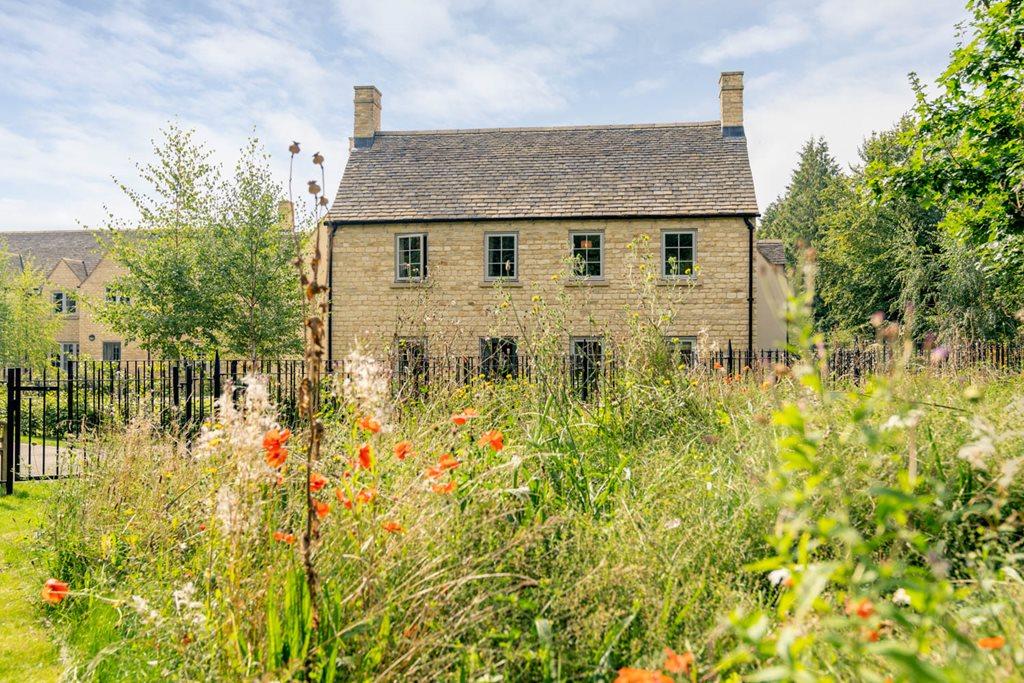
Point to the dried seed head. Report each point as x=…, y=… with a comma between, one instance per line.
x=877, y=318
x=318, y=159
x=314, y=187
x=294, y=148
x=323, y=200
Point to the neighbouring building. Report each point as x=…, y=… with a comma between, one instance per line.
x=441, y=241
x=78, y=272
x=772, y=294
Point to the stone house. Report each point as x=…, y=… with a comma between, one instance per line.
x=443, y=241
x=78, y=272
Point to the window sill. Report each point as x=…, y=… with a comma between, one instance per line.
x=500, y=283
x=414, y=284
x=679, y=282
x=587, y=282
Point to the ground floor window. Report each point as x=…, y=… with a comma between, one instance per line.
x=499, y=357
x=112, y=350
x=68, y=352
x=410, y=356
x=587, y=360
x=682, y=349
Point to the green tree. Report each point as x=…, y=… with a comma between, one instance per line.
x=28, y=322
x=796, y=217
x=252, y=272
x=968, y=147
x=164, y=300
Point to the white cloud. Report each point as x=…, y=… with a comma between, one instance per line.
x=780, y=32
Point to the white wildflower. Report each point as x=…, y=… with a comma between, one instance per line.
x=1008, y=472
x=365, y=383
x=673, y=523
x=142, y=608
x=909, y=420
x=190, y=609
x=229, y=511
x=982, y=447
x=901, y=597
x=778, y=577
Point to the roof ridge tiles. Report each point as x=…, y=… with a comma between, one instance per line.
x=546, y=129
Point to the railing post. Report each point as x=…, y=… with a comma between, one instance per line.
x=175, y=388
x=216, y=376
x=10, y=466
x=189, y=394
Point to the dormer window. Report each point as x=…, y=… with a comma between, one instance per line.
x=64, y=303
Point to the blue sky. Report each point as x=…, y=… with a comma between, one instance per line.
x=86, y=86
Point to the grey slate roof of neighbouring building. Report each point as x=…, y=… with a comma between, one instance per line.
x=674, y=169
x=45, y=248
x=774, y=251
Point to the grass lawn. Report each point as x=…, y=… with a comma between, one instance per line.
x=27, y=651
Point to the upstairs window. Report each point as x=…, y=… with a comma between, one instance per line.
x=501, y=256
x=64, y=302
x=678, y=254
x=410, y=257
x=587, y=254
x=499, y=357
x=113, y=296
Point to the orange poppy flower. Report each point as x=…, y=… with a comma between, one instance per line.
x=369, y=424
x=678, y=663
x=366, y=495
x=403, y=449
x=433, y=472
x=273, y=444
x=448, y=462
x=392, y=527
x=629, y=675
x=863, y=608
x=317, y=481
x=54, y=591
x=365, y=459
x=343, y=499
x=202, y=526
x=466, y=415
x=988, y=643
x=493, y=438
x=283, y=537
x=321, y=508
x=443, y=489
x=718, y=366
x=871, y=635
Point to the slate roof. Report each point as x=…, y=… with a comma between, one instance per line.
x=774, y=251
x=674, y=169
x=45, y=248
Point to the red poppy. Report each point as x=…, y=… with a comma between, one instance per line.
x=283, y=537
x=493, y=438
x=466, y=415
x=448, y=462
x=54, y=591
x=321, y=508
x=202, y=526
x=273, y=444
x=369, y=424
x=433, y=472
x=871, y=635
x=863, y=608
x=343, y=499
x=403, y=450
x=678, y=663
x=365, y=459
x=989, y=643
x=628, y=675
x=392, y=527
x=443, y=489
x=317, y=481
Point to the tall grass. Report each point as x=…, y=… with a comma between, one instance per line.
x=600, y=534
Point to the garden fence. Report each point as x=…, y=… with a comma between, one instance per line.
x=46, y=410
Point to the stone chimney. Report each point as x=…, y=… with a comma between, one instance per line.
x=730, y=94
x=367, y=115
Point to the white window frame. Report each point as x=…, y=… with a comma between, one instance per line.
x=573, y=234
x=112, y=297
x=67, y=303
x=423, y=257
x=514, y=276
x=692, y=275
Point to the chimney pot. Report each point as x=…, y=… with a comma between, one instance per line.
x=367, y=115
x=730, y=95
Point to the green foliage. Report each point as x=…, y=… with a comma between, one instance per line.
x=206, y=261
x=28, y=323
x=251, y=275
x=797, y=216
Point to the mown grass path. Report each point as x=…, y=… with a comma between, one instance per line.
x=27, y=648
